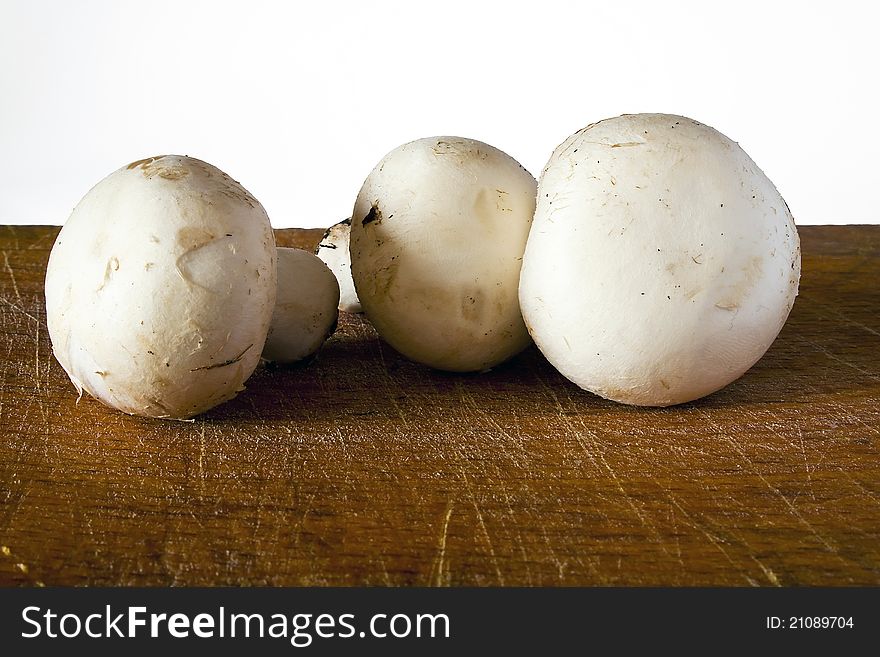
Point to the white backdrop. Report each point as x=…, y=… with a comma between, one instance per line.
x=298, y=101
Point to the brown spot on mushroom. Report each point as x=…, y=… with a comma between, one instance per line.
x=384, y=278
x=112, y=266
x=374, y=215
x=735, y=294
x=151, y=166
x=470, y=310
x=487, y=203
x=193, y=237
x=225, y=363
x=146, y=160
x=171, y=173
x=461, y=149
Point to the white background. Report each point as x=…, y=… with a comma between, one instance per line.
x=298, y=101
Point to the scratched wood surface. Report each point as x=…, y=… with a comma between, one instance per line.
x=363, y=468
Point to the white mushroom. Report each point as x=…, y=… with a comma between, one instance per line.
x=305, y=307
x=662, y=262
x=333, y=250
x=437, y=238
x=160, y=288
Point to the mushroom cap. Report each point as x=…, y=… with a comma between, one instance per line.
x=305, y=307
x=160, y=287
x=662, y=262
x=437, y=237
x=333, y=250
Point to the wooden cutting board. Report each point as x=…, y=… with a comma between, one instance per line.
x=363, y=468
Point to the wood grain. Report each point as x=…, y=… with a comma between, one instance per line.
x=363, y=468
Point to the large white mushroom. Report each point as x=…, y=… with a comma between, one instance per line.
x=333, y=250
x=160, y=288
x=437, y=238
x=662, y=262
x=305, y=307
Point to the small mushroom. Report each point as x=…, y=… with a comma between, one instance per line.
x=333, y=250
x=160, y=288
x=437, y=236
x=305, y=308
